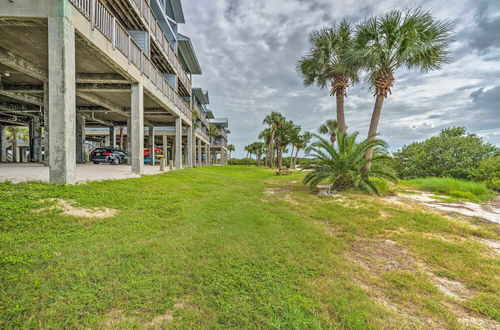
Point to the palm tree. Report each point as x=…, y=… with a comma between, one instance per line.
x=259, y=150
x=330, y=128
x=231, y=148
x=413, y=39
x=274, y=120
x=302, y=143
x=328, y=62
x=343, y=164
x=213, y=131
x=266, y=135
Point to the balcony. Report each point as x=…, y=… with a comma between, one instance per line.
x=143, y=9
x=101, y=18
x=204, y=135
x=202, y=117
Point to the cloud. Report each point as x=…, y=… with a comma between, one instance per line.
x=248, y=50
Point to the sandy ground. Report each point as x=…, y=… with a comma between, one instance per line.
x=489, y=211
x=24, y=172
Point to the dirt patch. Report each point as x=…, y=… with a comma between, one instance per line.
x=115, y=318
x=453, y=289
x=468, y=320
x=329, y=229
x=158, y=321
x=489, y=212
x=380, y=256
x=491, y=243
x=68, y=209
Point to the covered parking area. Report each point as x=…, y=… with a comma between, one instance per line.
x=61, y=78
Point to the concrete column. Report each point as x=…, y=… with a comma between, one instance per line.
x=107, y=139
x=206, y=154
x=80, y=140
x=152, y=146
x=35, y=133
x=165, y=148
x=178, y=143
x=62, y=100
x=190, y=146
x=3, y=142
x=46, y=124
x=128, y=143
x=137, y=128
x=112, y=134
x=200, y=162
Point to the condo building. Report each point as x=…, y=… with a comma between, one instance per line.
x=86, y=73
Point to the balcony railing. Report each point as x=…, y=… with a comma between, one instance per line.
x=101, y=18
x=203, y=117
x=142, y=7
x=203, y=134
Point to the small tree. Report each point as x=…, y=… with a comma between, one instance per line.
x=343, y=164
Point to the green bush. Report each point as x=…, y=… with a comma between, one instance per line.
x=244, y=161
x=473, y=191
x=453, y=153
x=488, y=171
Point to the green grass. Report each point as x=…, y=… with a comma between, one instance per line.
x=232, y=256
x=458, y=189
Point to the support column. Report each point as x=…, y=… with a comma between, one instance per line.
x=3, y=142
x=46, y=124
x=137, y=128
x=112, y=135
x=107, y=139
x=207, y=148
x=178, y=143
x=165, y=148
x=190, y=146
x=129, y=143
x=80, y=140
x=200, y=162
x=62, y=100
x=152, y=146
x=35, y=140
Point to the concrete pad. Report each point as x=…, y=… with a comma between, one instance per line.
x=24, y=172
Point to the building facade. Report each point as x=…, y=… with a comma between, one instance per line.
x=114, y=72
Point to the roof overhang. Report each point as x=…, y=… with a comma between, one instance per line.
x=221, y=122
x=189, y=55
x=201, y=95
x=210, y=114
x=177, y=11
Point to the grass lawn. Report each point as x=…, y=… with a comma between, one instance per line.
x=237, y=247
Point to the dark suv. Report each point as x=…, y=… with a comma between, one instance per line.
x=108, y=155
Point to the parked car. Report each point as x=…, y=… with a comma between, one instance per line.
x=108, y=155
x=158, y=155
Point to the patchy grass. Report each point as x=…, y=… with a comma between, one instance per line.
x=235, y=247
x=457, y=189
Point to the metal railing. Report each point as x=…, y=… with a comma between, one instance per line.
x=102, y=19
x=202, y=134
x=147, y=13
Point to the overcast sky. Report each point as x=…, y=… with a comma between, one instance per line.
x=248, y=50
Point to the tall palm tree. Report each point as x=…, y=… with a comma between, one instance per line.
x=231, y=148
x=412, y=39
x=259, y=150
x=266, y=136
x=343, y=164
x=213, y=131
x=330, y=127
x=328, y=63
x=274, y=120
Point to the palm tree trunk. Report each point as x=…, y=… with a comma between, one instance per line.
x=271, y=151
x=372, y=132
x=340, y=112
x=291, y=155
x=295, y=158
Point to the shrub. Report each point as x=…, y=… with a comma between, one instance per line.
x=488, y=171
x=244, y=161
x=453, y=153
x=343, y=164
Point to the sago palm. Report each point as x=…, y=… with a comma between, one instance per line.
x=328, y=63
x=411, y=39
x=343, y=164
